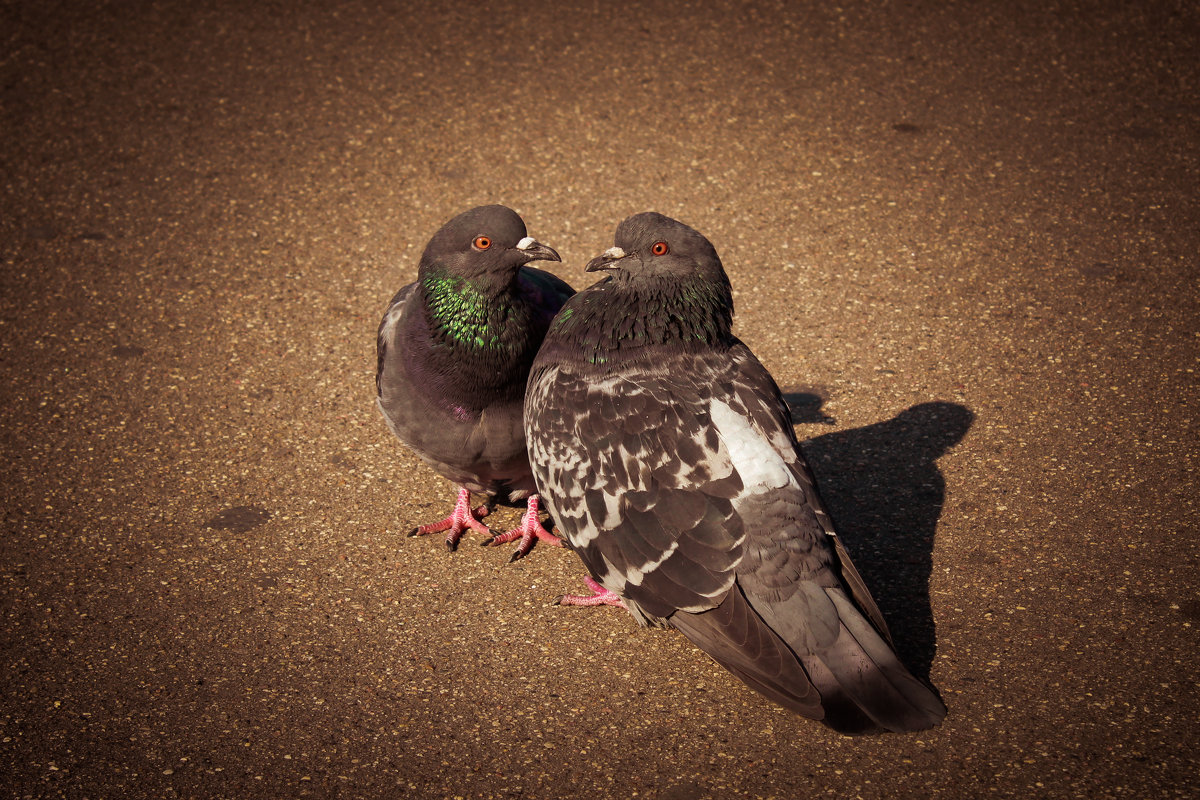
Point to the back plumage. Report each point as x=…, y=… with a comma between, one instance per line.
x=665, y=454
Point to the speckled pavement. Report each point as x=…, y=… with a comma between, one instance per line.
x=964, y=239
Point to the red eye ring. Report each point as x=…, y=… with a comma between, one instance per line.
x=660, y=248
x=481, y=243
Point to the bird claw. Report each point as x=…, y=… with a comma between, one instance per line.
x=599, y=597
x=460, y=519
x=529, y=532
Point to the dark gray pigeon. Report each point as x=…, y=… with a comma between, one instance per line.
x=454, y=352
x=665, y=454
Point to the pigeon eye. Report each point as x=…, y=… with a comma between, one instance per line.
x=660, y=249
x=481, y=243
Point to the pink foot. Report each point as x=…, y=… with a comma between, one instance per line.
x=528, y=532
x=459, y=520
x=599, y=597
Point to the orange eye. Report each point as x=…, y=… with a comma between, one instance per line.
x=482, y=243
x=660, y=249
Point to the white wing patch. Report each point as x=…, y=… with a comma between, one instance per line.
x=389, y=322
x=755, y=459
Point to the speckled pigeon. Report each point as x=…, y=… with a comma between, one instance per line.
x=666, y=456
x=454, y=352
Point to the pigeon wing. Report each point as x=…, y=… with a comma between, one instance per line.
x=691, y=500
x=797, y=577
x=646, y=501
x=392, y=318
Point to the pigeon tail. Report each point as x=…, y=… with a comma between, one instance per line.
x=855, y=685
x=868, y=673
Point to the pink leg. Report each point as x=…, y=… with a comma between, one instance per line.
x=528, y=531
x=459, y=520
x=599, y=597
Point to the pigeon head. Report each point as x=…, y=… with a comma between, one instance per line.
x=651, y=245
x=484, y=241
x=470, y=284
x=666, y=290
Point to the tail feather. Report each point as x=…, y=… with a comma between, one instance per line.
x=887, y=691
x=739, y=641
x=858, y=590
x=868, y=671
x=854, y=684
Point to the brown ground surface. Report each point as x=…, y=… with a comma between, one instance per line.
x=963, y=239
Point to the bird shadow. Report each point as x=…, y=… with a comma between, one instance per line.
x=883, y=488
x=806, y=408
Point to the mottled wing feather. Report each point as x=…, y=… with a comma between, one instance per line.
x=655, y=505
x=691, y=499
x=649, y=523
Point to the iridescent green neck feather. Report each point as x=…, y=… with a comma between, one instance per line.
x=461, y=313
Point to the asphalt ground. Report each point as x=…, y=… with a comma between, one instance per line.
x=963, y=237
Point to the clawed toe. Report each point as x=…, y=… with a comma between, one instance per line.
x=599, y=597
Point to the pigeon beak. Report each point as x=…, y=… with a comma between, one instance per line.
x=536, y=251
x=606, y=260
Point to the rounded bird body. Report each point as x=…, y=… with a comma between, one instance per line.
x=454, y=350
x=665, y=453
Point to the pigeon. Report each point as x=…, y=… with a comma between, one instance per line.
x=665, y=453
x=454, y=351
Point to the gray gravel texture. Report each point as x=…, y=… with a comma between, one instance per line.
x=963, y=237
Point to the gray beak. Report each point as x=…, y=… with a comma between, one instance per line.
x=537, y=251
x=606, y=260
